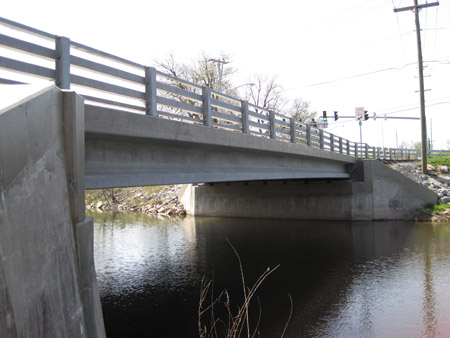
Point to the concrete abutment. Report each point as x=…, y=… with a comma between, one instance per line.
x=48, y=284
x=375, y=192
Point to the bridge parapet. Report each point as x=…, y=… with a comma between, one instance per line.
x=107, y=80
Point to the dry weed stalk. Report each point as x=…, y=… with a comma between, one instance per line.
x=236, y=324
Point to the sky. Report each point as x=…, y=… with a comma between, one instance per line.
x=338, y=55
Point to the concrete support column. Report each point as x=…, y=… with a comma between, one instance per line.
x=292, y=129
x=62, y=62
x=150, y=92
x=308, y=135
x=273, y=135
x=322, y=143
x=207, y=120
x=244, y=117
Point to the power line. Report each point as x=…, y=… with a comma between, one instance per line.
x=360, y=75
x=443, y=62
x=400, y=34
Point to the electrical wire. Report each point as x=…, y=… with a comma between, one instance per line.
x=400, y=34
x=443, y=62
x=435, y=32
x=360, y=75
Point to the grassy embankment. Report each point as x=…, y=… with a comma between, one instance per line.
x=439, y=212
x=437, y=161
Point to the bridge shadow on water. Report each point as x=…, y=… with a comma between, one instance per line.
x=345, y=279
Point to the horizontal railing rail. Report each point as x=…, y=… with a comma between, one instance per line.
x=108, y=80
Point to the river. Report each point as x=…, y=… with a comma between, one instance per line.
x=361, y=279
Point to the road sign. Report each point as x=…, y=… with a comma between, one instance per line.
x=359, y=113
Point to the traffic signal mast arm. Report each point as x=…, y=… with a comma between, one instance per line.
x=383, y=117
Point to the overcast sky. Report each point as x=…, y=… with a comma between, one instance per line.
x=336, y=54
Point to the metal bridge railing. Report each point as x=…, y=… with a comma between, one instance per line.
x=108, y=80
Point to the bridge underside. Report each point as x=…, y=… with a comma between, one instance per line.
x=124, y=149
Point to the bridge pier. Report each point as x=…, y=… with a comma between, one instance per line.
x=375, y=192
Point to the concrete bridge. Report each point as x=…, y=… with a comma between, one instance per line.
x=56, y=143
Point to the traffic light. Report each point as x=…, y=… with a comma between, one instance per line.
x=324, y=116
x=336, y=115
x=366, y=115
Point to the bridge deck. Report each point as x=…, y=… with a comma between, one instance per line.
x=124, y=149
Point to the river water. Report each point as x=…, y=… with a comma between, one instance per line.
x=362, y=279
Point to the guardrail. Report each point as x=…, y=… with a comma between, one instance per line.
x=108, y=80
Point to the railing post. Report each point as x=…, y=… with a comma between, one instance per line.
x=341, y=149
x=366, y=150
x=273, y=136
x=62, y=62
x=244, y=117
x=308, y=135
x=150, y=92
x=321, y=140
x=348, y=147
x=378, y=153
x=207, y=121
x=292, y=127
x=332, y=143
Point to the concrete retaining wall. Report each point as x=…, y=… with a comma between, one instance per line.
x=47, y=279
x=379, y=193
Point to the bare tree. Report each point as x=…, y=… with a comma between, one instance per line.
x=205, y=71
x=171, y=67
x=266, y=93
x=300, y=110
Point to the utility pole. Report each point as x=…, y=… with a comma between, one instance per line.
x=423, y=121
x=220, y=63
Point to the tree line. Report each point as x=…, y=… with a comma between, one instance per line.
x=218, y=74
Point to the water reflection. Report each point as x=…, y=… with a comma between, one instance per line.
x=386, y=279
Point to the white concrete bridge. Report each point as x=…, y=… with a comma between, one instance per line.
x=143, y=127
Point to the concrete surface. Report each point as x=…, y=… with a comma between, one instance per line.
x=125, y=149
x=42, y=289
x=47, y=275
x=380, y=193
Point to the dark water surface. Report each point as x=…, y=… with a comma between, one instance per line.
x=365, y=279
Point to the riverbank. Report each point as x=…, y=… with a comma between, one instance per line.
x=438, y=180
x=158, y=200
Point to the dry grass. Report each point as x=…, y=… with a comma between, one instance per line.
x=237, y=323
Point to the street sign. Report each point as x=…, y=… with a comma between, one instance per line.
x=359, y=113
